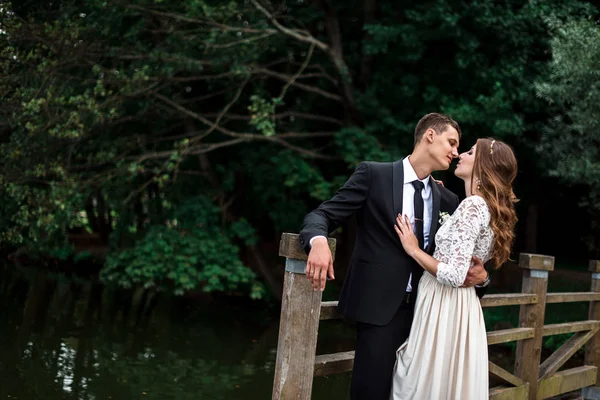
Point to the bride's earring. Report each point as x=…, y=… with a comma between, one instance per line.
x=478, y=182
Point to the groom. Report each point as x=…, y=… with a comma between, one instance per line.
x=380, y=288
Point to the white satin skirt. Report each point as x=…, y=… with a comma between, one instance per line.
x=445, y=356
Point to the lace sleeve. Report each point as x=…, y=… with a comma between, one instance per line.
x=458, y=247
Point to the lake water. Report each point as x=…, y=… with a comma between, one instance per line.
x=64, y=337
x=67, y=338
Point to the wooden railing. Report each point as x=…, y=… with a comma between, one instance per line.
x=302, y=309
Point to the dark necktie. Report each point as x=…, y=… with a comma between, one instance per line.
x=419, y=209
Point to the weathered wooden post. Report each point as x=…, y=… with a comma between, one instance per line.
x=298, y=325
x=529, y=351
x=592, y=349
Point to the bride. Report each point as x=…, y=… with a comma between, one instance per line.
x=445, y=355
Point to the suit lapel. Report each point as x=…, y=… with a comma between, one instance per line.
x=397, y=187
x=435, y=211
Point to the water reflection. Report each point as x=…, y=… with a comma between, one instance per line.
x=63, y=338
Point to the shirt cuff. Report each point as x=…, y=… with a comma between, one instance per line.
x=314, y=237
x=485, y=283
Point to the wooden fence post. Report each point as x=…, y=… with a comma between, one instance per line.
x=592, y=348
x=529, y=351
x=298, y=325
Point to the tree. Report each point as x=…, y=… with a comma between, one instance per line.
x=571, y=141
x=209, y=127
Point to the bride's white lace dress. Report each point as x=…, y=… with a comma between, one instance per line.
x=445, y=355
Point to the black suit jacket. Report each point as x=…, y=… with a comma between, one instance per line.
x=379, y=268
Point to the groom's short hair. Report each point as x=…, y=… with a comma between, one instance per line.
x=436, y=121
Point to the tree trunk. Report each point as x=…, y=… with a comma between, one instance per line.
x=263, y=269
x=103, y=228
x=336, y=52
x=91, y=214
x=274, y=284
x=370, y=11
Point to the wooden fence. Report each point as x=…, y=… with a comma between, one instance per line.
x=302, y=309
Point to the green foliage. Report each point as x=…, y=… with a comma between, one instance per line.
x=357, y=145
x=475, y=62
x=262, y=115
x=190, y=251
x=116, y=115
x=38, y=217
x=570, y=143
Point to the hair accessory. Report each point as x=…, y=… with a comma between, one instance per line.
x=492, y=146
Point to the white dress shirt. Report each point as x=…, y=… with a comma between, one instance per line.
x=408, y=205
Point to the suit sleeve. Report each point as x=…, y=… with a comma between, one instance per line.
x=334, y=212
x=480, y=291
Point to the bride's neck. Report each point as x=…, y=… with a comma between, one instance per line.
x=468, y=191
x=471, y=190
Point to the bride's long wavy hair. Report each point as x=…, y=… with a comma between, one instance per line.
x=495, y=166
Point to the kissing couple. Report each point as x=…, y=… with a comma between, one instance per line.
x=416, y=274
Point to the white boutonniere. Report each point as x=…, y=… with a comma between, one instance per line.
x=443, y=217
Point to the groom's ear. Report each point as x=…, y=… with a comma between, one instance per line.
x=429, y=133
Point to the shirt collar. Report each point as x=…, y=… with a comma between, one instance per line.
x=410, y=174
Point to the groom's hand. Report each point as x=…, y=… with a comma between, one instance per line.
x=476, y=274
x=319, y=264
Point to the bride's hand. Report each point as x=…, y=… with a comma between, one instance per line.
x=404, y=230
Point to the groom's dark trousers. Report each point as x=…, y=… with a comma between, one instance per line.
x=376, y=354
